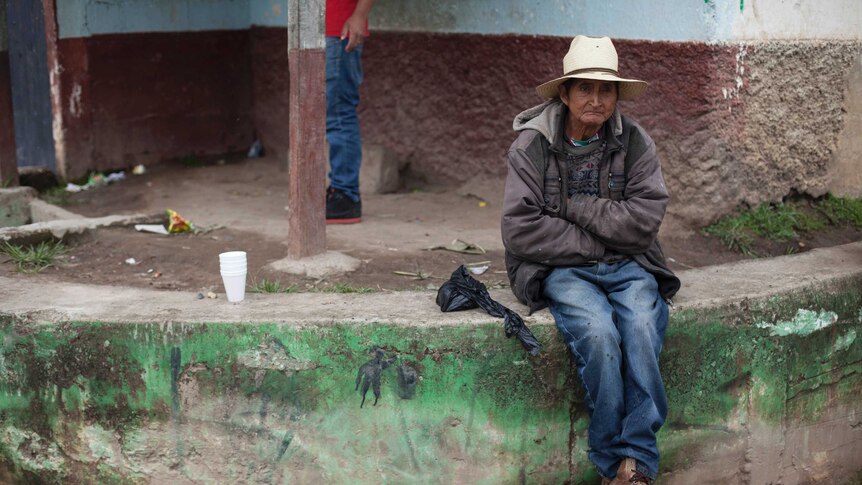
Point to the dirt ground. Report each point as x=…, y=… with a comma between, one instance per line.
x=242, y=205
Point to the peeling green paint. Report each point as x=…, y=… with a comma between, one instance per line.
x=806, y=322
x=845, y=341
x=277, y=403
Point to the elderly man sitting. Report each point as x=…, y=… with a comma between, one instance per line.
x=583, y=204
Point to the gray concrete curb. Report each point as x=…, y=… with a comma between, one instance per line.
x=702, y=288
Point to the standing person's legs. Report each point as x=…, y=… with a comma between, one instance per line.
x=343, y=78
x=641, y=317
x=584, y=317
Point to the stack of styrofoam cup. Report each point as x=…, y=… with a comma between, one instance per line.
x=233, y=267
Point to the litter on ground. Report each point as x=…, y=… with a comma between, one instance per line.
x=460, y=246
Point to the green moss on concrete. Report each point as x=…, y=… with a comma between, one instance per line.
x=283, y=400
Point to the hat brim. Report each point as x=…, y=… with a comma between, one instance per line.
x=628, y=88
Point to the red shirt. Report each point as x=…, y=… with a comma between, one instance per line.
x=337, y=13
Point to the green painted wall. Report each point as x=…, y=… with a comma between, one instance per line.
x=113, y=402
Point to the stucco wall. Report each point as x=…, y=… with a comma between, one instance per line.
x=847, y=158
x=735, y=98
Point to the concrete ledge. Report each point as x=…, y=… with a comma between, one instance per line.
x=708, y=287
x=102, y=384
x=41, y=211
x=59, y=229
x=15, y=206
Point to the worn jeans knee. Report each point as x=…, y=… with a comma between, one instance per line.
x=613, y=321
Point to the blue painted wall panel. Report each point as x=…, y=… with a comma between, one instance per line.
x=659, y=20
x=268, y=13
x=631, y=19
x=83, y=18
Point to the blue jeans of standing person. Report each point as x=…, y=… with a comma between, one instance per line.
x=343, y=78
x=613, y=320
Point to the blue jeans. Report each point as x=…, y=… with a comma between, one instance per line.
x=343, y=77
x=613, y=320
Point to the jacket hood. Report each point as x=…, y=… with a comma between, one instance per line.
x=545, y=118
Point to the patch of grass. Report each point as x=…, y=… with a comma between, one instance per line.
x=56, y=195
x=267, y=286
x=779, y=222
x=731, y=231
x=34, y=258
x=345, y=288
x=841, y=209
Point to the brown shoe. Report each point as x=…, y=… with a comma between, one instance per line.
x=634, y=475
x=639, y=477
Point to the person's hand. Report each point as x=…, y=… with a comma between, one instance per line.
x=354, y=28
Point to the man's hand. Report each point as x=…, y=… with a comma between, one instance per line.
x=354, y=28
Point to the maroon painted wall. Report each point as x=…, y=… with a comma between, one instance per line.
x=444, y=103
x=447, y=102
x=270, y=88
x=154, y=96
x=7, y=129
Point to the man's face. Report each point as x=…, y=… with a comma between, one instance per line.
x=591, y=102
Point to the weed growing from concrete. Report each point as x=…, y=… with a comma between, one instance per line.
x=783, y=222
x=267, y=286
x=345, y=288
x=731, y=231
x=842, y=210
x=34, y=258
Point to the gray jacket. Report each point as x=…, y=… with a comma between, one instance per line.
x=542, y=228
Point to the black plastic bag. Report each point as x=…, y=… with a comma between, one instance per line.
x=463, y=292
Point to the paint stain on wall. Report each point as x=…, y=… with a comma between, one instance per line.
x=75, y=101
x=369, y=374
x=804, y=323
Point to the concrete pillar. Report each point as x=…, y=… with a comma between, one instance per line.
x=306, y=188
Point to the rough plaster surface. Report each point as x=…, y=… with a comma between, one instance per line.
x=794, y=102
x=847, y=159
x=734, y=123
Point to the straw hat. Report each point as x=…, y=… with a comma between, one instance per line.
x=593, y=58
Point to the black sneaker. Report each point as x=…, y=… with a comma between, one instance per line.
x=341, y=209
